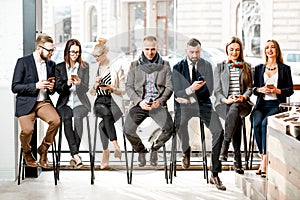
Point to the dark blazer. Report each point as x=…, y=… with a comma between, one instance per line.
x=61, y=87
x=24, y=82
x=181, y=80
x=285, y=83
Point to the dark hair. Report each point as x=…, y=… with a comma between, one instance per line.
x=237, y=40
x=42, y=39
x=247, y=74
x=70, y=43
x=193, y=42
x=279, y=58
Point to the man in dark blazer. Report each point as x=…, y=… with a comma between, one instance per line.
x=33, y=82
x=193, y=86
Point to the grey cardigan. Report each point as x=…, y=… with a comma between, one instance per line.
x=221, y=82
x=136, y=78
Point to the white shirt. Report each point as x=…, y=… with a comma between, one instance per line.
x=271, y=80
x=189, y=89
x=73, y=98
x=42, y=74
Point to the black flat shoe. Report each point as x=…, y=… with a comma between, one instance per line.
x=263, y=174
x=258, y=172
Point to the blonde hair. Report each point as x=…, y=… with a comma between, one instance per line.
x=42, y=38
x=100, y=48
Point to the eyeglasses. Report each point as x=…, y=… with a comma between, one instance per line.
x=73, y=53
x=98, y=56
x=49, y=50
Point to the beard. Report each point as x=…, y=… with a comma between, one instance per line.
x=43, y=57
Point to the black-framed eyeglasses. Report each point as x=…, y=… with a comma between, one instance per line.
x=73, y=53
x=49, y=50
x=98, y=56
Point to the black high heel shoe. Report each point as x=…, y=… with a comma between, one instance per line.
x=263, y=174
x=258, y=172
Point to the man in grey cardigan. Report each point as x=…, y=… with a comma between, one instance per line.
x=149, y=86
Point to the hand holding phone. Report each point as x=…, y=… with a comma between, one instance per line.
x=102, y=84
x=270, y=86
x=74, y=77
x=51, y=79
x=150, y=102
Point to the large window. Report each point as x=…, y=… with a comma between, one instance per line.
x=248, y=27
x=93, y=20
x=165, y=22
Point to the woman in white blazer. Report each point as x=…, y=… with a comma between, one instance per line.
x=109, y=88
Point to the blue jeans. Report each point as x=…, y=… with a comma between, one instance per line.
x=260, y=116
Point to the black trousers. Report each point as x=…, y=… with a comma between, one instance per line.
x=73, y=135
x=211, y=121
x=108, y=110
x=137, y=115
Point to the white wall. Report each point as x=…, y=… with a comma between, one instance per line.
x=11, y=40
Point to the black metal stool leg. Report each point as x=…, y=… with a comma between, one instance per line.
x=20, y=166
x=165, y=164
x=54, y=164
x=90, y=149
x=204, y=156
x=131, y=166
x=126, y=155
x=59, y=151
x=245, y=143
x=251, y=146
x=171, y=162
x=92, y=153
x=173, y=158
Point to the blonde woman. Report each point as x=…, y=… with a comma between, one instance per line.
x=109, y=86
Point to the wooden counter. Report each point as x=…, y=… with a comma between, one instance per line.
x=283, y=178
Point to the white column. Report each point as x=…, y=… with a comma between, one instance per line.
x=11, y=39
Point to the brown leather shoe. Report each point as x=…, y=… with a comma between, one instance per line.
x=30, y=160
x=216, y=180
x=185, y=162
x=43, y=157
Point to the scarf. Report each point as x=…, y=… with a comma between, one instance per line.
x=236, y=65
x=150, y=66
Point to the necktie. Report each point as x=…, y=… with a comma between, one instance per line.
x=194, y=77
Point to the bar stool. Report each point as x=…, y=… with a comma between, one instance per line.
x=244, y=131
x=174, y=152
x=59, y=148
x=22, y=165
x=129, y=169
x=251, y=146
x=94, y=148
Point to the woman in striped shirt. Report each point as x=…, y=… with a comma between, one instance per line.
x=109, y=87
x=233, y=87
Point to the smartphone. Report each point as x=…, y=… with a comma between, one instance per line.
x=102, y=85
x=150, y=102
x=51, y=79
x=74, y=77
x=200, y=78
x=270, y=86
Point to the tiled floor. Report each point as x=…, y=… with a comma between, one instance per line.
x=146, y=184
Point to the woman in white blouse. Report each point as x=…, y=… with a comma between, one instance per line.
x=109, y=87
x=272, y=84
